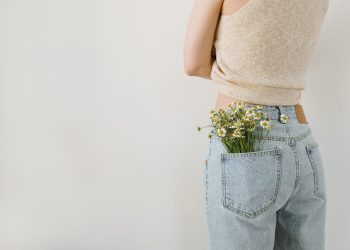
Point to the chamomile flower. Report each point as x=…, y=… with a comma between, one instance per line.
x=265, y=124
x=246, y=118
x=250, y=112
x=236, y=124
x=222, y=111
x=257, y=116
x=215, y=120
x=239, y=123
x=284, y=118
x=221, y=132
x=212, y=113
x=235, y=110
x=240, y=105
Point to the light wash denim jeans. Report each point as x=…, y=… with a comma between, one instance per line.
x=273, y=199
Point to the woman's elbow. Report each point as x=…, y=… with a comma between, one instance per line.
x=192, y=67
x=198, y=69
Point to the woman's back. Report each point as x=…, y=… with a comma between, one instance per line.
x=263, y=49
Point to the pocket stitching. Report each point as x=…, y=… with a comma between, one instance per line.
x=252, y=213
x=317, y=191
x=251, y=154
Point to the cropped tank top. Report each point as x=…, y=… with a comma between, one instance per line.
x=263, y=50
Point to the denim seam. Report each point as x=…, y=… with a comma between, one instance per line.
x=297, y=177
x=279, y=138
x=304, y=135
x=206, y=182
x=292, y=143
x=206, y=172
x=286, y=139
x=312, y=146
x=309, y=149
x=264, y=206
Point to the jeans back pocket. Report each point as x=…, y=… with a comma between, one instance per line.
x=313, y=152
x=250, y=181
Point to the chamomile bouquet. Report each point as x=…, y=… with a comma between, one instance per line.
x=239, y=126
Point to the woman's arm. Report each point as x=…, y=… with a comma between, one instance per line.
x=198, y=49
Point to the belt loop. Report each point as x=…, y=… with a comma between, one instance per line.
x=281, y=109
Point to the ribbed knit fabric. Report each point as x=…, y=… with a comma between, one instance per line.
x=264, y=48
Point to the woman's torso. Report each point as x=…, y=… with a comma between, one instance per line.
x=303, y=50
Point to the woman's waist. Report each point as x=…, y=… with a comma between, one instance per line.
x=294, y=112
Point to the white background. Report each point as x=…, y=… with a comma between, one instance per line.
x=98, y=142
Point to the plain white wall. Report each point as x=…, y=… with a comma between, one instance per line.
x=98, y=140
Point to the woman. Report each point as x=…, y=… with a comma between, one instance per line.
x=257, y=52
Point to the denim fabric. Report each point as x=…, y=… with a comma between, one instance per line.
x=272, y=199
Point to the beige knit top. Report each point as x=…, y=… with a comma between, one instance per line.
x=263, y=49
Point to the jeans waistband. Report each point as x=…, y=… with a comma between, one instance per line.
x=274, y=111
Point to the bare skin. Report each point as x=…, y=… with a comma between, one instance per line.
x=199, y=52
